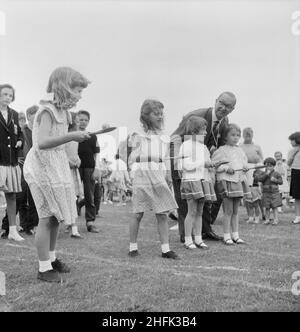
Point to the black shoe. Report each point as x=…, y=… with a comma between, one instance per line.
x=211, y=236
x=92, y=229
x=29, y=232
x=60, y=267
x=50, y=276
x=182, y=239
x=133, y=253
x=172, y=216
x=170, y=254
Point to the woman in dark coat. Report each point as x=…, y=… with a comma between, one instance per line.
x=11, y=140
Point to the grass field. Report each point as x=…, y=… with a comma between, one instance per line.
x=256, y=277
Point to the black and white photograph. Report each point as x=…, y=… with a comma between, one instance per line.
x=149, y=159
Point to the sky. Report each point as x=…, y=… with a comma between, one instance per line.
x=181, y=53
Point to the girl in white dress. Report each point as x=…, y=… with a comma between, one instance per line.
x=46, y=168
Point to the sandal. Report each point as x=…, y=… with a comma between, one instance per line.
x=228, y=242
x=190, y=246
x=201, y=245
x=239, y=241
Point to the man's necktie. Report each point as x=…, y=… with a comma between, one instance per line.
x=214, y=129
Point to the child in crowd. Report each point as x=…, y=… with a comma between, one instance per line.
x=270, y=180
x=196, y=183
x=232, y=183
x=105, y=172
x=255, y=158
x=74, y=163
x=282, y=168
x=11, y=141
x=120, y=179
x=46, y=168
x=294, y=163
x=150, y=187
x=253, y=203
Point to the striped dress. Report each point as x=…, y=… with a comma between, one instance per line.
x=150, y=189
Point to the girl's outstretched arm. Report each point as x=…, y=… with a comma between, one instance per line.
x=45, y=141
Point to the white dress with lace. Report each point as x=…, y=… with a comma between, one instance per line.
x=47, y=171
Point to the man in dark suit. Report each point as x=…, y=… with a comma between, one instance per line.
x=216, y=123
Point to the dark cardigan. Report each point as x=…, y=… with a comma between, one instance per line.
x=10, y=133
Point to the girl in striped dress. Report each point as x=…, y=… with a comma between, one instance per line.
x=232, y=183
x=151, y=179
x=196, y=182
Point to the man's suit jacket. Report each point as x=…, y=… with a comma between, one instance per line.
x=205, y=113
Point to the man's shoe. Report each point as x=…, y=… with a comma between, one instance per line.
x=172, y=216
x=60, y=267
x=133, y=253
x=211, y=236
x=50, y=276
x=92, y=229
x=170, y=254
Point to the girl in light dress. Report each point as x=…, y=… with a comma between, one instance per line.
x=151, y=177
x=46, y=168
x=196, y=182
x=232, y=183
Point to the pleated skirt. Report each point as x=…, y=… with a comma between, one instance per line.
x=198, y=189
x=10, y=179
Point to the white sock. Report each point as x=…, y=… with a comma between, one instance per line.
x=133, y=246
x=13, y=229
x=188, y=240
x=227, y=236
x=235, y=235
x=74, y=230
x=251, y=218
x=45, y=266
x=198, y=239
x=165, y=247
x=52, y=256
x=297, y=217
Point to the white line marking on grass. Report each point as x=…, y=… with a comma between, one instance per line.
x=175, y=272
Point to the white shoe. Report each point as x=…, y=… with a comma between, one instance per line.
x=256, y=220
x=105, y=203
x=250, y=220
x=280, y=209
x=296, y=221
x=174, y=228
x=15, y=237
